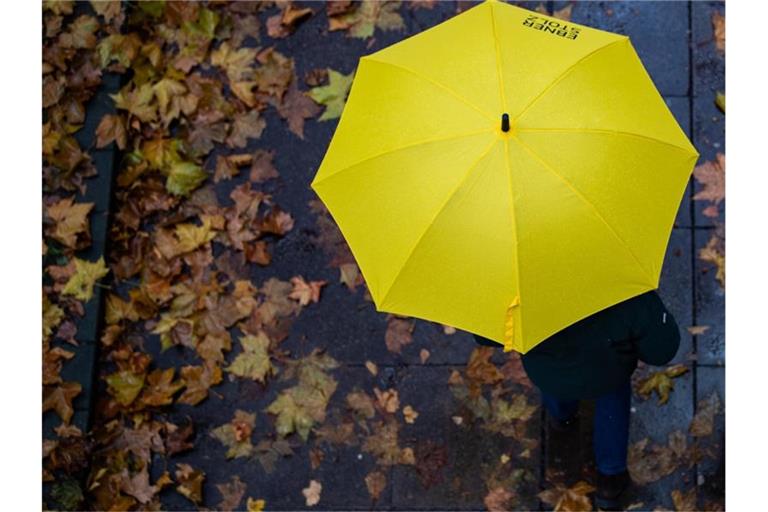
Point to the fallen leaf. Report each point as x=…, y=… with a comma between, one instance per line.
x=236, y=435
x=720, y=101
x=375, y=481
x=81, y=284
x=306, y=292
x=388, y=400
x=254, y=361
x=718, y=30
x=703, y=422
x=366, y=17
x=714, y=252
x=498, y=499
x=564, y=13
x=231, y=494
x=684, y=502
x=711, y=175
x=184, y=177
x=661, y=382
x=111, y=129
x=255, y=505
x=312, y=493
x=295, y=107
x=59, y=398
x=190, y=482
x=569, y=499
x=423, y=355
x=262, y=168
x=332, y=96
x=399, y=333
x=372, y=368
x=409, y=414
x=70, y=222
x=698, y=329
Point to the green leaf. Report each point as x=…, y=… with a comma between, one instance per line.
x=184, y=177
x=253, y=362
x=333, y=95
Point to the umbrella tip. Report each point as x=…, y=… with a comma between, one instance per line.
x=505, y=122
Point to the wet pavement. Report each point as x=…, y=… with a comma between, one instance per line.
x=461, y=462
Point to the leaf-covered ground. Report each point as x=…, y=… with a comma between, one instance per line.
x=241, y=362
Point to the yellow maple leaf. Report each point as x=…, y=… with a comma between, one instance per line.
x=81, y=284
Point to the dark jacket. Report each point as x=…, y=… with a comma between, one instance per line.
x=598, y=353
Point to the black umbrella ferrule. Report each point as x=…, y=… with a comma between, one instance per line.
x=505, y=122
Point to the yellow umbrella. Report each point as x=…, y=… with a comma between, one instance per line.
x=505, y=173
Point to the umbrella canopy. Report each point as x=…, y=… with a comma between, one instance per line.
x=505, y=173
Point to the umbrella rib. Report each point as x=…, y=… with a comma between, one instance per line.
x=498, y=61
x=587, y=202
x=434, y=218
x=438, y=85
x=564, y=74
x=400, y=148
x=607, y=132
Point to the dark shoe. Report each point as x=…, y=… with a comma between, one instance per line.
x=609, y=490
x=563, y=426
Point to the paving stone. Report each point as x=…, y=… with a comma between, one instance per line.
x=708, y=63
x=710, y=306
x=675, y=288
x=709, y=139
x=342, y=474
x=711, y=471
x=659, y=33
x=473, y=454
x=681, y=109
x=656, y=422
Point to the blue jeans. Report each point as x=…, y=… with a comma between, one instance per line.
x=611, y=426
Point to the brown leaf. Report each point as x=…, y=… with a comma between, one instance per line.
x=262, y=168
x=718, y=29
x=70, y=222
x=498, y=499
x=685, y=502
x=190, y=482
x=375, y=481
x=312, y=493
x=569, y=499
x=648, y=464
x=249, y=125
x=703, y=421
x=306, y=292
x=698, y=329
x=111, y=128
x=231, y=494
x=295, y=107
x=712, y=176
x=480, y=369
x=399, y=333
x=387, y=400
x=179, y=439
x=197, y=380
x=59, y=398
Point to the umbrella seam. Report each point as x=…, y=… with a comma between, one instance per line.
x=590, y=204
x=498, y=61
x=436, y=84
x=432, y=221
x=565, y=74
x=607, y=132
x=517, y=246
x=400, y=148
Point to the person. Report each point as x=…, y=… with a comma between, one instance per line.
x=593, y=359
